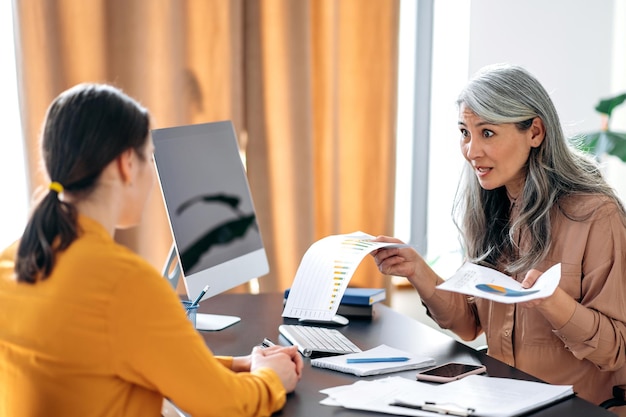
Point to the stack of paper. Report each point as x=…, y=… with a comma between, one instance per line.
x=474, y=395
x=382, y=359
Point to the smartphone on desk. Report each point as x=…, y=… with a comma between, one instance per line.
x=450, y=371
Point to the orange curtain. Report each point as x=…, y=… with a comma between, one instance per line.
x=309, y=85
x=322, y=114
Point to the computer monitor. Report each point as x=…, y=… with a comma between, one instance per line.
x=210, y=211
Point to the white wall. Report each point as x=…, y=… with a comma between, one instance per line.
x=566, y=44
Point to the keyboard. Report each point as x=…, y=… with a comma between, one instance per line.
x=317, y=341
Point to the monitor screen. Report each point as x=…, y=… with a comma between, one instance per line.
x=209, y=207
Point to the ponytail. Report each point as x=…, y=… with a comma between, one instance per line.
x=52, y=227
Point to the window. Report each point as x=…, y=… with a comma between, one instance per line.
x=450, y=52
x=12, y=173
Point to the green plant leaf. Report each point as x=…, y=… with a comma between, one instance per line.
x=617, y=142
x=606, y=106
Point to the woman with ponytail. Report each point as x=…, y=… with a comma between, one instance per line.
x=75, y=336
x=86, y=129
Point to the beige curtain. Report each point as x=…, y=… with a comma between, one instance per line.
x=309, y=85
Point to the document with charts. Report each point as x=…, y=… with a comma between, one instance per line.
x=480, y=281
x=324, y=274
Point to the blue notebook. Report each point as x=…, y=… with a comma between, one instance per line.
x=359, y=296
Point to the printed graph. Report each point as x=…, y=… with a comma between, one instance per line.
x=324, y=274
x=351, y=252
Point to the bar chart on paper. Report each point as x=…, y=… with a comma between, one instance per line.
x=324, y=274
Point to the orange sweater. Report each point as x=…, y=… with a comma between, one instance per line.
x=105, y=335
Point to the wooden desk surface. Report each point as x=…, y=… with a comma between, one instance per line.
x=261, y=316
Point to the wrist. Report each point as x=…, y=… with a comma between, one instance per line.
x=558, y=308
x=424, y=279
x=241, y=364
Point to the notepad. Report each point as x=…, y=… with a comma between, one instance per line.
x=340, y=363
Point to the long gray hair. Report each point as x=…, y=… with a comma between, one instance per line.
x=509, y=94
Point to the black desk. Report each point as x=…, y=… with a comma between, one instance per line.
x=261, y=316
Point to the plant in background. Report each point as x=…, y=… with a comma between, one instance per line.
x=606, y=141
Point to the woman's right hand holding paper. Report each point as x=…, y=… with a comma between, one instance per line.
x=406, y=262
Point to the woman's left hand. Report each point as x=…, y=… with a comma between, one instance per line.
x=243, y=363
x=557, y=308
x=529, y=280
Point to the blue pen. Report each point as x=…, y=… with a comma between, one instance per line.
x=372, y=360
x=199, y=297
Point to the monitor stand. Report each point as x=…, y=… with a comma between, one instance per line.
x=214, y=322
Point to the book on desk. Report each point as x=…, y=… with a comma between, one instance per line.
x=357, y=302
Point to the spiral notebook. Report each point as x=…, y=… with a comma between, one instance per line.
x=340, y=363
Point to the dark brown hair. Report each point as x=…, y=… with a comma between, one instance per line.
x=86, y=128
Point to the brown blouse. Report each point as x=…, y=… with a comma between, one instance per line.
x=589, y=351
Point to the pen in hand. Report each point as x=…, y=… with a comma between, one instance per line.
x=267, y=343
x=372, y=360
x=295, y=358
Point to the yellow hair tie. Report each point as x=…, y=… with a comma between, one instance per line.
x=56, y=186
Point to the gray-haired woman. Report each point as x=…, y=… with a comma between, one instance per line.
x=528, y=200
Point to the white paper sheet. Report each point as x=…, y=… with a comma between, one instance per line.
x=470, y=278
x=473, y=395
x=377, y=395
x=491, y=396
x=324, y=274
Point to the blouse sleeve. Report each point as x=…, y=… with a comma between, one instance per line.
x=597, y=330
x=455, y=312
